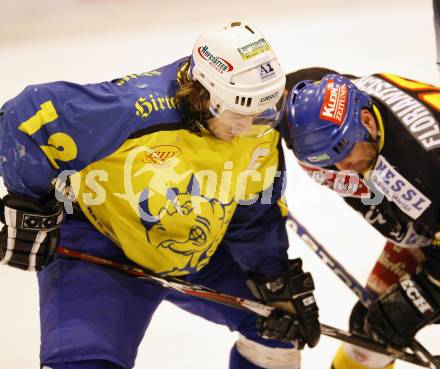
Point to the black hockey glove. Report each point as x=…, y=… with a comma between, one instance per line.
x=403, y=309
x=30, y=233
x=357, y=319
x=296, y=314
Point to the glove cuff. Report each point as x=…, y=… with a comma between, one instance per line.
x=28, y=214
x=288, y=285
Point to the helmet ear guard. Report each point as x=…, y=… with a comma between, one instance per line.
x=324, y=119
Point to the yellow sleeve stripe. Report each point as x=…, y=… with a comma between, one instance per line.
x=432, y=98
x=45, y=115
x=283, y=206
x=380, y=127
x=409, y=84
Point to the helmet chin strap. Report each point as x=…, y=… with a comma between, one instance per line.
x=200, y=124
x=202, y=129
x=376, y=142
x=372, y=140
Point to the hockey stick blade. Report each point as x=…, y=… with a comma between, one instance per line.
x=373, y=346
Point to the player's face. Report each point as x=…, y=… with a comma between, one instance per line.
x=363, y=154
x=229, y=125
x=360, y=159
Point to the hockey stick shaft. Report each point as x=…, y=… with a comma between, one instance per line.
x=171, y=282
x=228, y=300
x=362, y=293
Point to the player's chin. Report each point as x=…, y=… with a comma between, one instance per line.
x=361, y=166
x=223, y=134
x=226, y=137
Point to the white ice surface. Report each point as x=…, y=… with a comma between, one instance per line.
x=133, y=36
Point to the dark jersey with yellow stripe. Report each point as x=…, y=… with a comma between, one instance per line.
x=166, y=196
x=400, y=196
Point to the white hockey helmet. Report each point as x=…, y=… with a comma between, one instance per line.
x=241, y=73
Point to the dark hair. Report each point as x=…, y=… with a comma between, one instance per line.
x=192, y=98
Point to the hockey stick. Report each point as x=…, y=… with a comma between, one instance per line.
x=433, y=362
x=228, y=300
x=173, y=283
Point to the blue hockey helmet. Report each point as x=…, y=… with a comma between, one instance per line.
x=324, y=119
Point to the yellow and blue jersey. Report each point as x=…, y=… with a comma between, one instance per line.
x=167, y=196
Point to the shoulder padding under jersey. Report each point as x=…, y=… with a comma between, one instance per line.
x=66, y=126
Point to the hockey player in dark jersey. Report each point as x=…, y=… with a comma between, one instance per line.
x=376, y=141
x=159, y=166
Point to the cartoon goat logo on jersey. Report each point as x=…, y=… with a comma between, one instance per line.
x=187, y=224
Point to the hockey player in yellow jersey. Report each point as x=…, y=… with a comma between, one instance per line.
x=179, y=170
